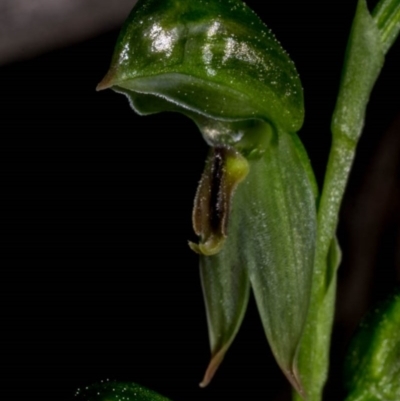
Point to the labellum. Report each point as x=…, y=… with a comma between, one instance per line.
x=254, y=212
x=225, y=169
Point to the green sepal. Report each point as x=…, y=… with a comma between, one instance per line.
x=117, y=391
x=224, y=278
x=214, y=58
x=372, y=370
x=271, y=241
x=280, y=219
x=226, y=289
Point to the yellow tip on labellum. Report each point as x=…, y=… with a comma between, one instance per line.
x=211, y=247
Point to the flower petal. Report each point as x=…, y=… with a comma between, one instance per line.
x=278, y=231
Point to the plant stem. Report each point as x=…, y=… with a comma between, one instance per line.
x=387, y=18
x=370, y=39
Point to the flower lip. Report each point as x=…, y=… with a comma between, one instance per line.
x=224, y=171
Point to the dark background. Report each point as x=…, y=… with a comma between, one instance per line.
x=98, y=281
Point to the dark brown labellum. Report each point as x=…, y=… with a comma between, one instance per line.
x=225, y=169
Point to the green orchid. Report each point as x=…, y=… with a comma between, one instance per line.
x=261, y=222
x=254, y=211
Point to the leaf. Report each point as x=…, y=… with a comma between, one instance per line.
x=373, y=360
x=117, y=391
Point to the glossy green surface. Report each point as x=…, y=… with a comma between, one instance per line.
x=117, y=391
x=373, y=361
x=212, y=57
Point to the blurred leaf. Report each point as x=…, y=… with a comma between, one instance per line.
x=373, y=361
x=117, y=391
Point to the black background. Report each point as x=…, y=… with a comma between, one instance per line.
x=98, y=279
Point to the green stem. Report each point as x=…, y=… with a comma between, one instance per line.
x=320, y=319
x=338, y=169
x=387, y=18
x=369, y=40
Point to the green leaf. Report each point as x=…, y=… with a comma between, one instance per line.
x=117, y=391
x=214, y=58
x=373, y=361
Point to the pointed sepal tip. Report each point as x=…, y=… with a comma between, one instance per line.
x=212, y=367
